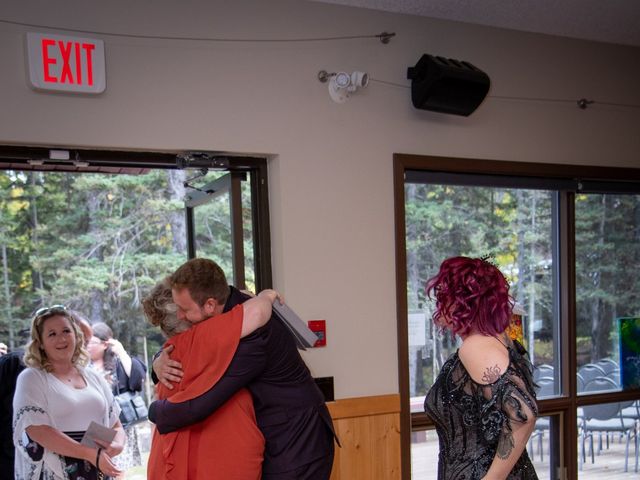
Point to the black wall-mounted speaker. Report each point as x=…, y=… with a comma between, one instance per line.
x=447, y=86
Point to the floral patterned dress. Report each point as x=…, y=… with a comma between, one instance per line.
x=474, y=420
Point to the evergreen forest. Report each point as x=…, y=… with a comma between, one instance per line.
x=96, y=243
x=515, y=229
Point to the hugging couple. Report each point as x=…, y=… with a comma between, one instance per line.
x=235, y=399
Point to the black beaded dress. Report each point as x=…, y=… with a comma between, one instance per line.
x=474, y=420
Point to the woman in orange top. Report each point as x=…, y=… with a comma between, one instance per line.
x=227, y=445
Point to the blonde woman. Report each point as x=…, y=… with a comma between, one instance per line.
x=55, y=401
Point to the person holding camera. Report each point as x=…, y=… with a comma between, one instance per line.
x=125, y=374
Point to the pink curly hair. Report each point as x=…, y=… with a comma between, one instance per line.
x=471, y=295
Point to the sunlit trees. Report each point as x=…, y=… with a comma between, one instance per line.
x=93, y=242
x=515, y=228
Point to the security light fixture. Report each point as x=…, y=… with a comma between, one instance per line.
x=342, y=84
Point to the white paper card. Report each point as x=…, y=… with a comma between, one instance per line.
x=305, y=338
x=97, y=431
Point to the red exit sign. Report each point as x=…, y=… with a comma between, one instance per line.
x=66, y=64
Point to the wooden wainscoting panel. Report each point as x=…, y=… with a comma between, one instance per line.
x=369, y=431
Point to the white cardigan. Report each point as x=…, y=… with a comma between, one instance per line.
x=42, y=399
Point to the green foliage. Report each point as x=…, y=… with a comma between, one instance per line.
x=96, y=243
x=544, y=352
x=515, y=227
x=607, y=263
x=444, y=221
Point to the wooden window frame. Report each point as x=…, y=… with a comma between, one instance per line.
x=566, y=405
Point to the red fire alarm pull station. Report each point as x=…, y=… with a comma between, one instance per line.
x=319, y=327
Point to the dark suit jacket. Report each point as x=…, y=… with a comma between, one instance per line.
x=290, y=408
x=11, y=365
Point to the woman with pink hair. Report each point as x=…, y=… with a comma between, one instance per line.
x=482, y=402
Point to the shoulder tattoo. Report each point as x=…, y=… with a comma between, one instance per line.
x=491, y=374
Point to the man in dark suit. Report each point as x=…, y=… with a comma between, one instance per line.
x=290, y=409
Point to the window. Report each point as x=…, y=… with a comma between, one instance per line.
x=569, y=248
x=513, y=227
x=96, y=231
x=220, y=225
x=607, y=287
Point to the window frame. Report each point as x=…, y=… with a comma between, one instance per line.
x=573, y=178
x=38, y=158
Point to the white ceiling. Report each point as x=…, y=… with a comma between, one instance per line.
x=610, y=21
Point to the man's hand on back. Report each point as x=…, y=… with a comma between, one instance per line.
x=168, y=371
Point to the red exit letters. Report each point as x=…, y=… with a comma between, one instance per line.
x=63, y=63
x=71, y=72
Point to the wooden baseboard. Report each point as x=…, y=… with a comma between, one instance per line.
x=369, y=431
x=364, y=406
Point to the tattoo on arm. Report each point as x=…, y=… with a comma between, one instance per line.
x=491, y=374
x=505, y=444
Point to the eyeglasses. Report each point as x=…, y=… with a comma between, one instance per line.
x=53, y=309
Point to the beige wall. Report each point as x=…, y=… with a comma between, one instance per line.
x=330, y=165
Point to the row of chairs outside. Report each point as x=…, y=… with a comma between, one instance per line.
x=603, y=368
x=602, y=421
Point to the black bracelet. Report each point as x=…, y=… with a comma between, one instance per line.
x=98, y=459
